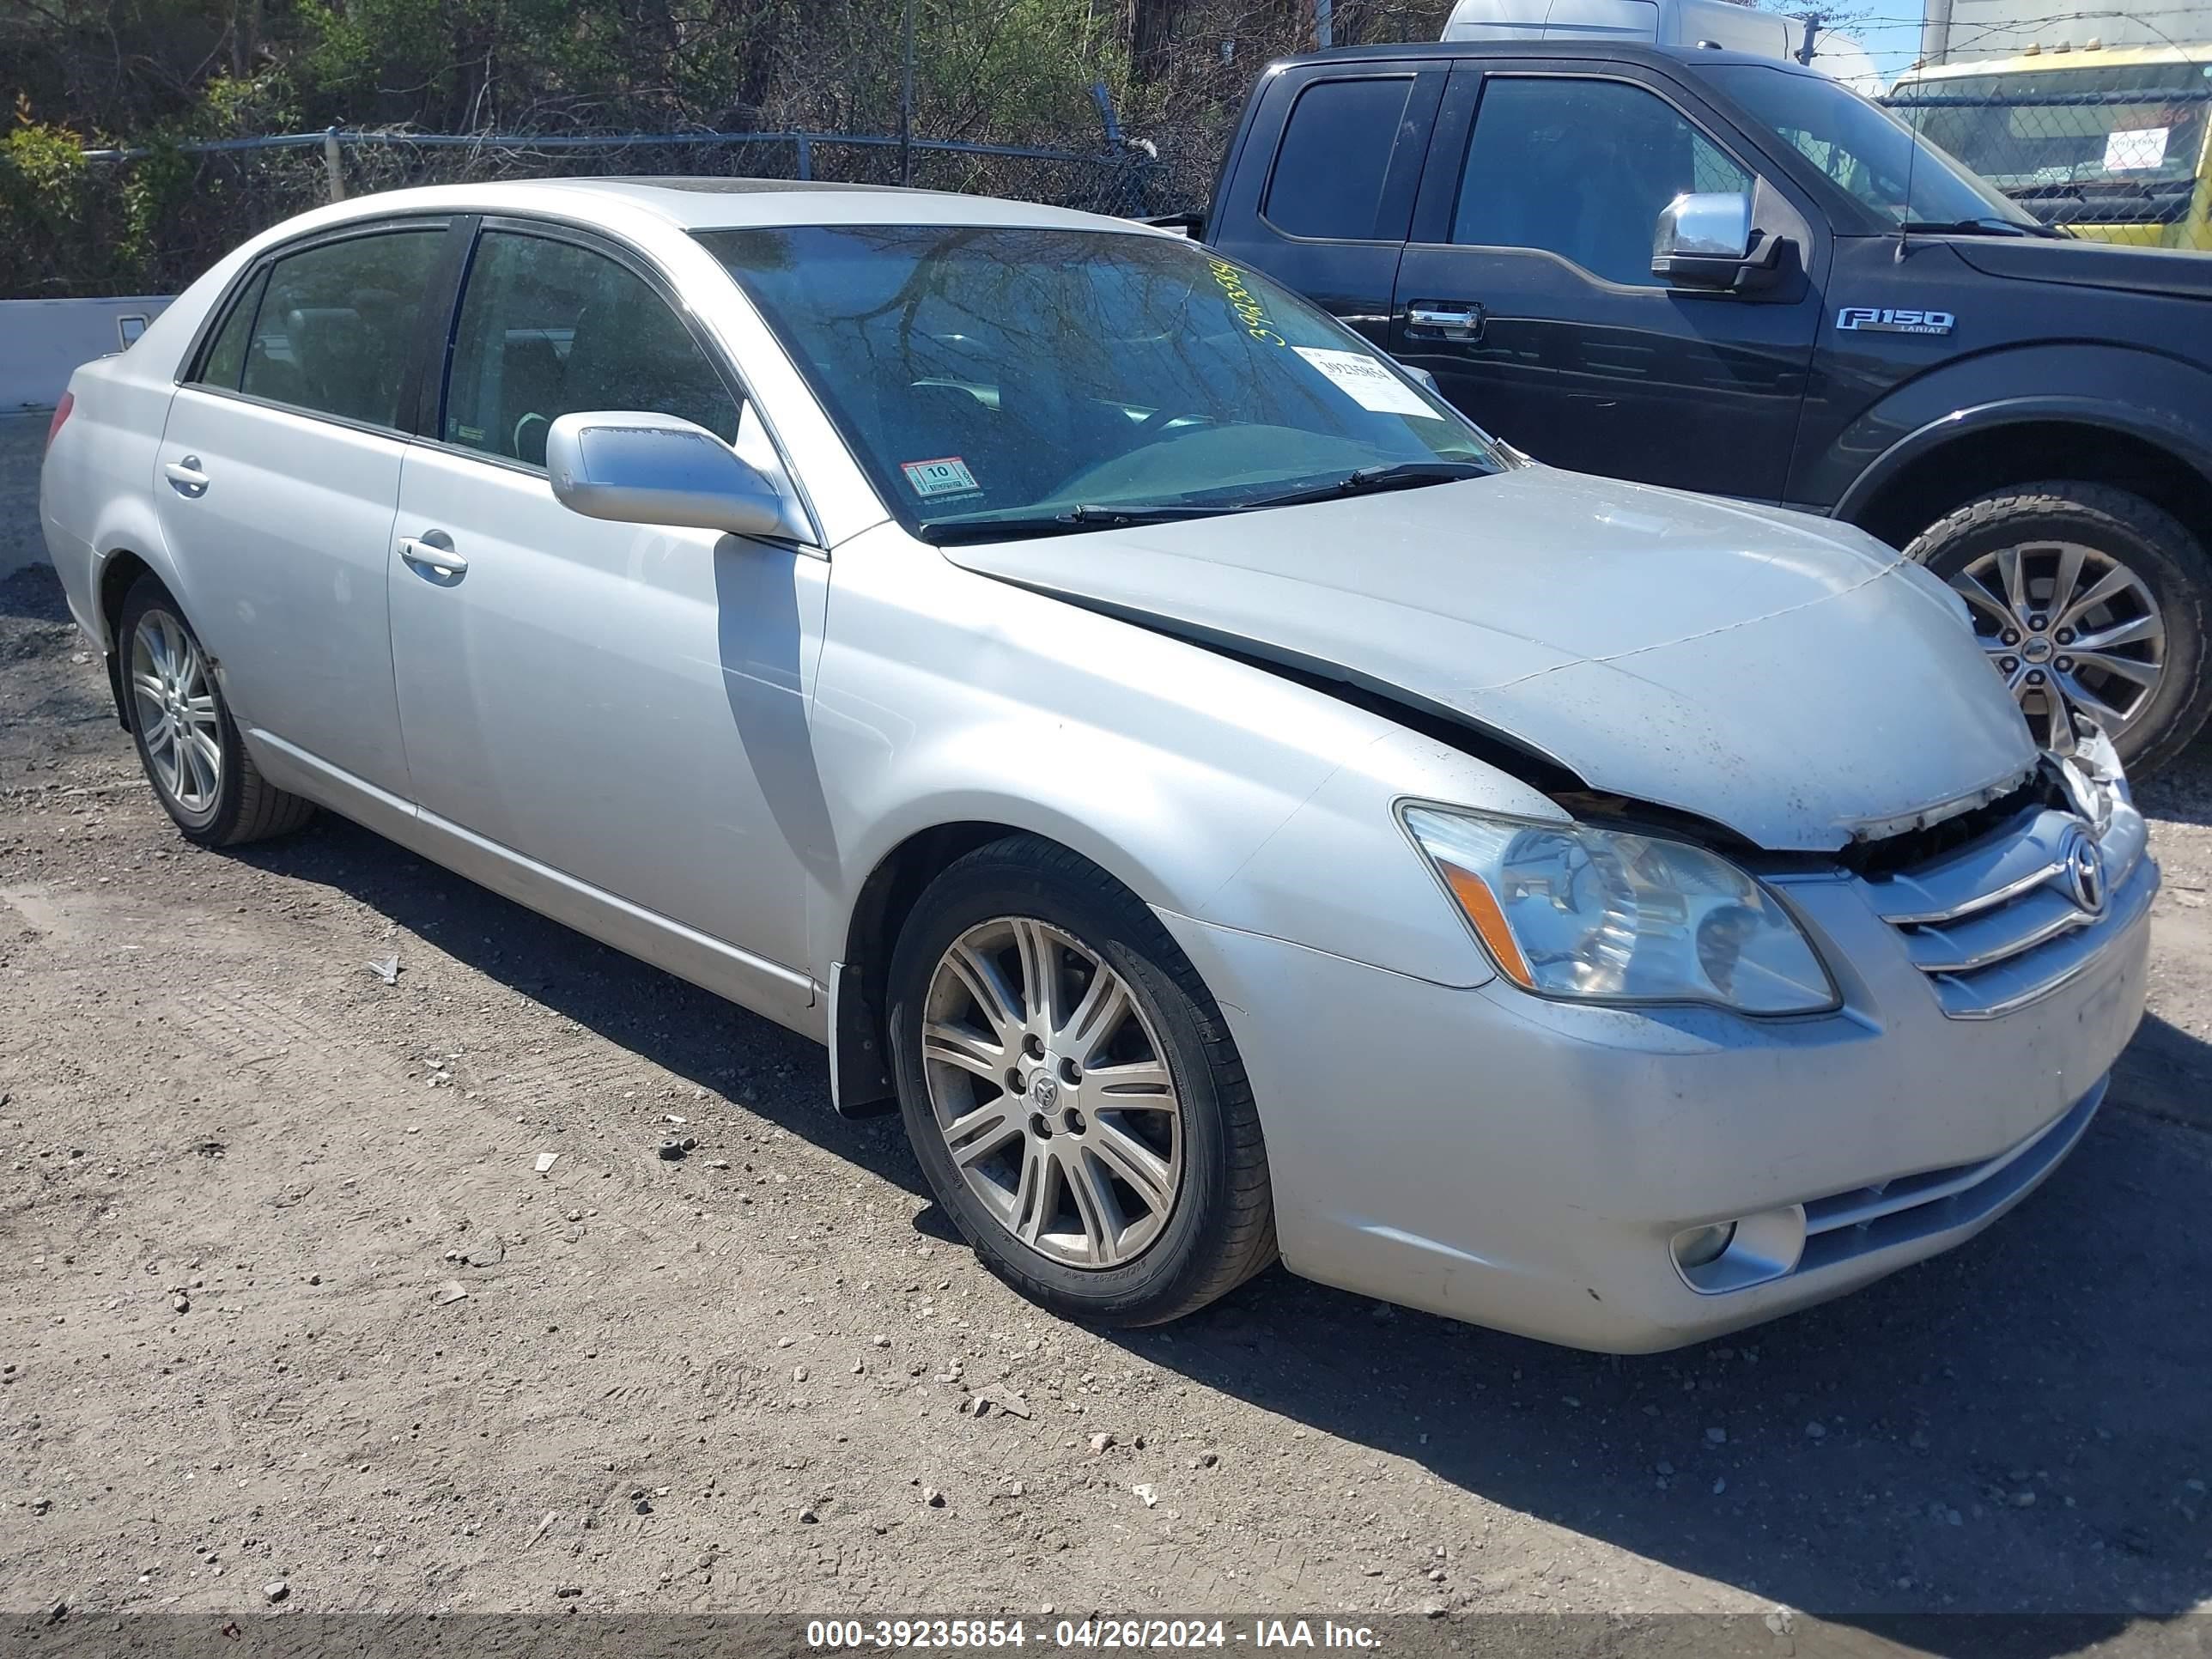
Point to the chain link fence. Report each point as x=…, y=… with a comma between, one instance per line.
x=214, y=196
x=2119, y=149
x=1193, y=62
x=149, y=218
x=2113, y=151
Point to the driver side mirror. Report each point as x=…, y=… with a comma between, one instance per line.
x=632, y=466
x=1704, y=240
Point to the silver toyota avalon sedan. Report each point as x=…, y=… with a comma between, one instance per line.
x=1232, y=805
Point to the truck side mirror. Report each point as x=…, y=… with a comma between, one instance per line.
x=1704, y=240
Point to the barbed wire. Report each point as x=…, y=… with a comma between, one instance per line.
x=1965, y=35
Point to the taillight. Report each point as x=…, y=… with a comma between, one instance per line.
x=61, y=413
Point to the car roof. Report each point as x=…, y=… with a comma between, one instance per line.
x=710, y=203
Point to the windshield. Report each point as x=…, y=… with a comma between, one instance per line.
x=1010, y=373
x=1865, y=151
x=2122, y=130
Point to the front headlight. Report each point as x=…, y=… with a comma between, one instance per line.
x=1567, y=911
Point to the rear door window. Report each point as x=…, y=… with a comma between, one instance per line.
x=1335, y=157
x=337, y=322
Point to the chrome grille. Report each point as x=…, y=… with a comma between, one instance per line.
x=2002, y=920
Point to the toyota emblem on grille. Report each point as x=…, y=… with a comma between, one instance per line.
x=2083, y=864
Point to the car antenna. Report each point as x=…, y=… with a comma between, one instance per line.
x=1911, y=156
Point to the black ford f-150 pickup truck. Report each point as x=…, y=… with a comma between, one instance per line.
x=1715, y=271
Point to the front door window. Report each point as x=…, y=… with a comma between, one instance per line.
x=549, y=328
x=1581, y=168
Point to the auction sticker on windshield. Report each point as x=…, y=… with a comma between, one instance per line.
x=2133, y=149
x=1366, y=382
x=948, y=474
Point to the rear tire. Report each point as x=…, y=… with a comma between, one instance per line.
x=2161, y=581
x=1124, y=1181
x=186, y=739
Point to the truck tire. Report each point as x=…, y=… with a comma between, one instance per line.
x=2089, y=593
x=1071, y=1093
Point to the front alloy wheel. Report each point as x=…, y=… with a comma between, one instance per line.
x=1071, y=1090
x=1052, y=1093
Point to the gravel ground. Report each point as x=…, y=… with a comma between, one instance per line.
x=287, y=1301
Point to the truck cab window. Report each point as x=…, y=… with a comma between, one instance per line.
x=1335, y=157
x=1581, y=168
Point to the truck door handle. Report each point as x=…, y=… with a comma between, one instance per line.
x=432, y=555
x=1445, y=319
x=187, y=477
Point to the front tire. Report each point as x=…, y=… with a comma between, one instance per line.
x=186, y=739
x=1072, y=1093
x=2089, y=597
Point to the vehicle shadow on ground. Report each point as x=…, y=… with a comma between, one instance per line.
x=2012, y=1425
x=33, y=593
x=691, y=1033
x=2184, y=790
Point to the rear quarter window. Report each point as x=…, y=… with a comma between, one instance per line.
x=224, y=358
x=1335, y=157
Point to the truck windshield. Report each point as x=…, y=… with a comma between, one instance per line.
x=2109, y=135
x=1000, y=380
x=1865, y=151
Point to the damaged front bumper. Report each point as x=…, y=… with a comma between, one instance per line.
x=1535, y=1165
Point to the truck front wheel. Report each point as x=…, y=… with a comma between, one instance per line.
x=2089, y=598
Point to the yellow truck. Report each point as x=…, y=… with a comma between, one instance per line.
x=2113, y=143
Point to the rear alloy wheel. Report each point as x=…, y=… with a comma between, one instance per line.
x=1072, y=1093
x=187, y=741
x=2087, y=601
x=172, y=696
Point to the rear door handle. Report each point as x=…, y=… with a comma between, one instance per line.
x=187, y=477
x=1444, y=319
x=432, y=555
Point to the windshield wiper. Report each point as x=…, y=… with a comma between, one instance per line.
x=1072, y=520
x=1992, y=225
x=1406, y=475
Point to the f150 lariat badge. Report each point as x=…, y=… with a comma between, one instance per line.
x=1884, y=320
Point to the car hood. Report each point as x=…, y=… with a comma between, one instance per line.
x=2089, y=264
x=1792, y=680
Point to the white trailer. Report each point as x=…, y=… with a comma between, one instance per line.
x=1686, y=23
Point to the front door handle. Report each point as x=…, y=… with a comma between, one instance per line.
x=187, y=477
x=432, y=555
x=1444, y=319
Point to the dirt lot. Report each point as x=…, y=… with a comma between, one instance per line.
x=239, y=1168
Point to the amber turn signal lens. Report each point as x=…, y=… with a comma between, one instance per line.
x=1475, y=898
